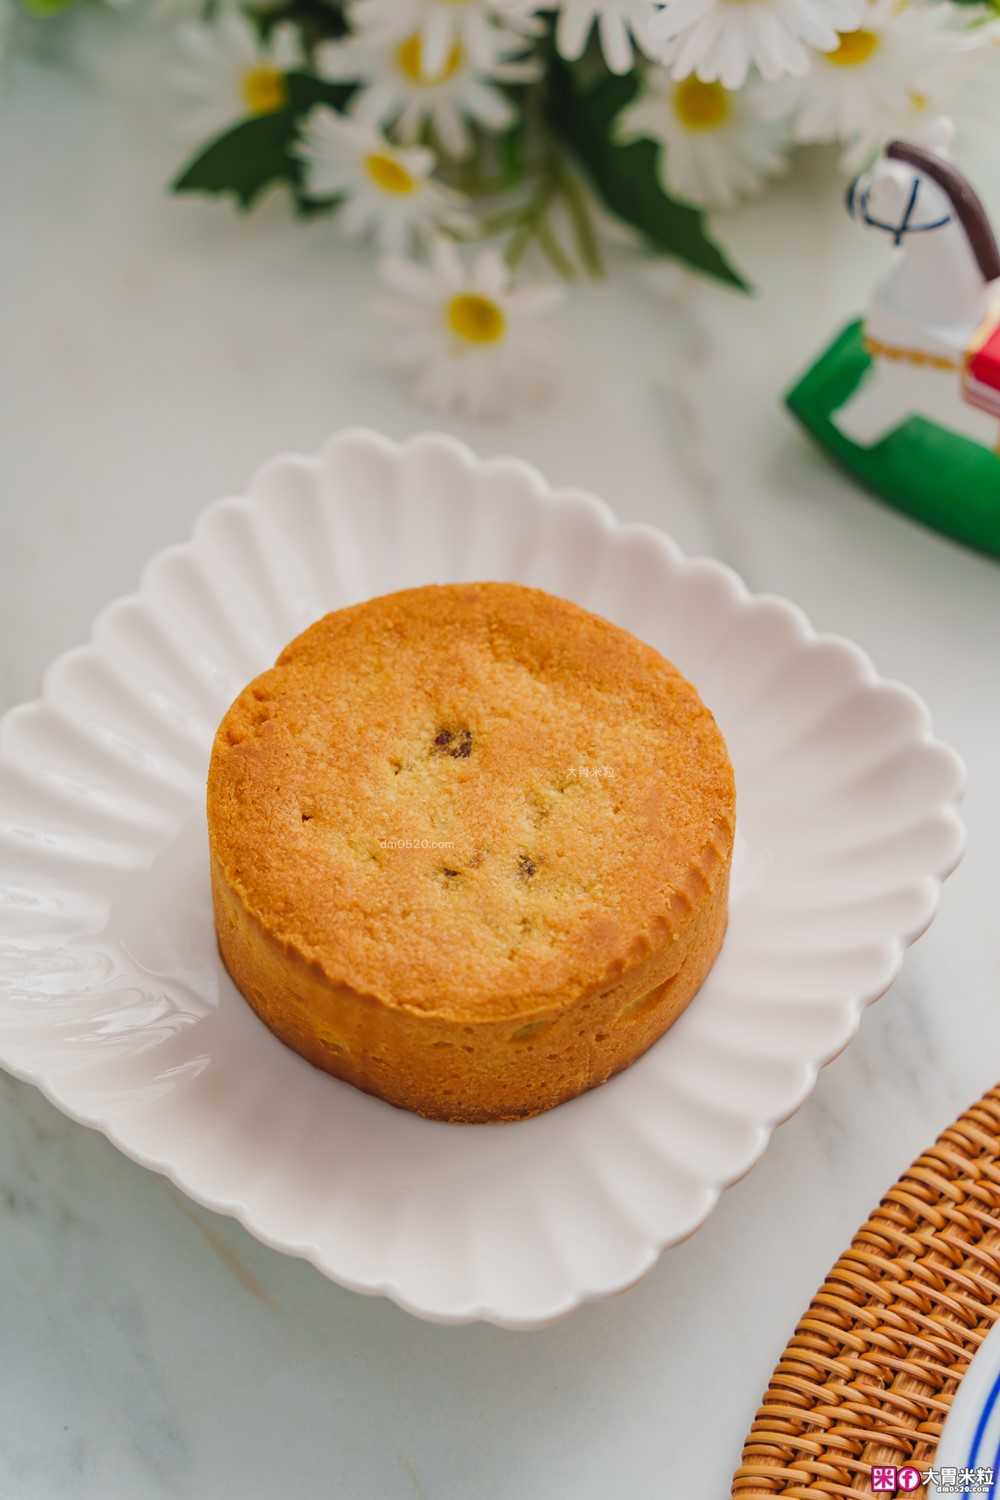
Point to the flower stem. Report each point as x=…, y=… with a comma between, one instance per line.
x=579, y=213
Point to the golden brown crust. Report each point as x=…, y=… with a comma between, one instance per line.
x=470, y=847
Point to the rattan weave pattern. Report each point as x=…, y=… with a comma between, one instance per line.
x=872, y=1368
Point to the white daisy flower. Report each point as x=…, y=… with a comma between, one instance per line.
x=723, y=39
x=895, y=65
x=714, y=146
x=399, y=89
x=472, y=339
x=441, y=24
x=918, y=121
x=228, y=72
x=387, y=190
x=621, y=26
x=974, y=99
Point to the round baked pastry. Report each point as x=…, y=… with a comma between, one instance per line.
x=470, y=848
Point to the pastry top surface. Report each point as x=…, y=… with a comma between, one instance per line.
x=477, y=800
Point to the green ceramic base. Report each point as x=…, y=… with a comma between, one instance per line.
x=939, y=477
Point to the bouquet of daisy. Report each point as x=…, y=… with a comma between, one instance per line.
x=512, y=127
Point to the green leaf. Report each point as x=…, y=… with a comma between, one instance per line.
x=317, y=20
x=258, y=152
x=46, y=7
x=625, y=176
x=244, y=161
x=305, y=90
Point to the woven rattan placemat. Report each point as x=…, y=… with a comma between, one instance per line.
x=873, y=1366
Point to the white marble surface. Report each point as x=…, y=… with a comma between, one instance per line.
x=154, y=353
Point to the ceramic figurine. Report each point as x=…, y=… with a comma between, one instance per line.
x=909, y=400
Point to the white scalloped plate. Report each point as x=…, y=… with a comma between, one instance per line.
x=971, y=1436
x=116, y=1005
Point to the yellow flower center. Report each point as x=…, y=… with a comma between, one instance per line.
x=701, y=106
x=265, y=90
x=853, y=49
x=388, y=174
x=410, y=56
x=475, y=318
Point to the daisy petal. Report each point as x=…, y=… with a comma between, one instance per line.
x=616, y=41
